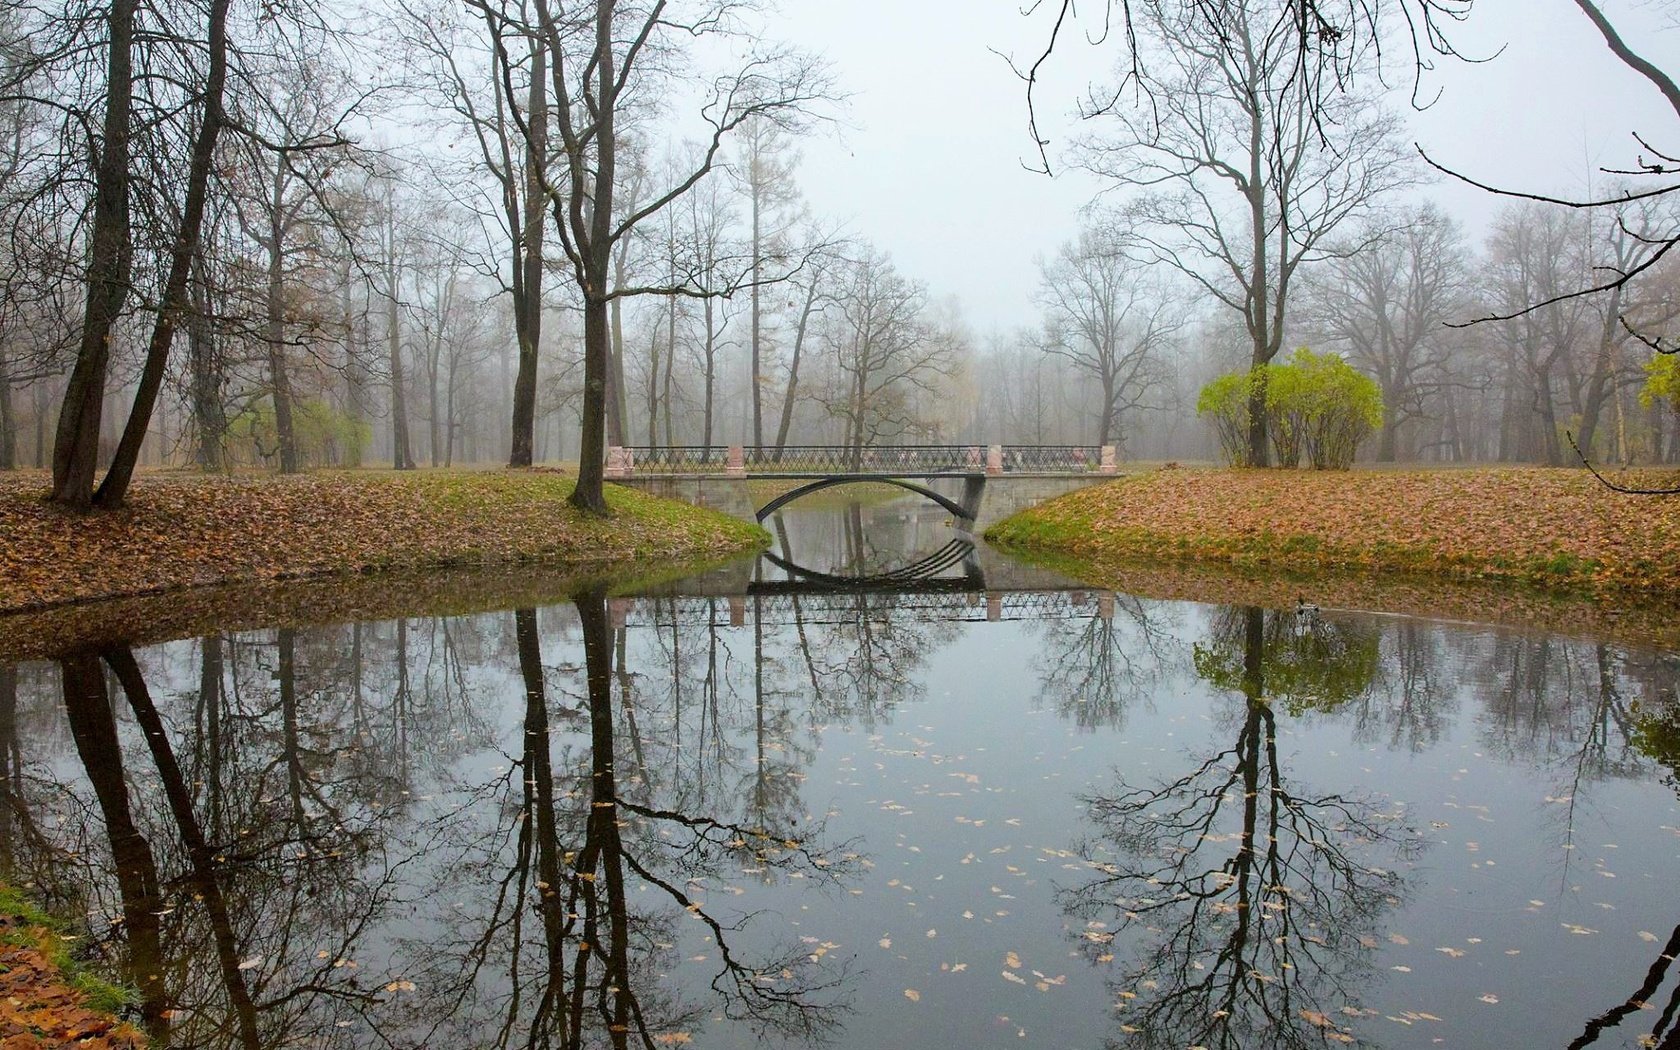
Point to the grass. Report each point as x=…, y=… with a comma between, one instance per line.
x=184, y=530
x=1555, y=529
x=22, y=924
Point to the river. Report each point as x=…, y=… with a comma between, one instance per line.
x=823, y=800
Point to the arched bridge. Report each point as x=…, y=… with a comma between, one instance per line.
x=979, y=485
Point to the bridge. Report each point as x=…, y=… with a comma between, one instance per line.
x=979, y=485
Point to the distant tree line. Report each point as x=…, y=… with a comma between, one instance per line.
x=229, y=243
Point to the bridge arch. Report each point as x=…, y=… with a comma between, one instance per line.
x=922, y=571
x=956, y=509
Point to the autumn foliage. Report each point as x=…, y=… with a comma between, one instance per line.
x=1555, y=528
x=189, y=530
x=40, y=1006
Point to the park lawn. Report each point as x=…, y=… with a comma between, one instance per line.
x=188, y=530
x=46, y=1000
x=1546, y=527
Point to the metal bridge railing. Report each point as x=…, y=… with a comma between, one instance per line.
x=825, y=460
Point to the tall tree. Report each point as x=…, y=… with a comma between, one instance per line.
x=881, y=352
x=1248, y=170
x=1109, y=320
x=764, y=172
x=110, y=258
x=601, y=57
x=1387, y=309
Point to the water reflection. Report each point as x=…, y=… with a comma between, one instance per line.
x=1260, y=898
x=744, y=810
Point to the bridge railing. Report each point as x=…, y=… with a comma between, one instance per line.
x=874, y=459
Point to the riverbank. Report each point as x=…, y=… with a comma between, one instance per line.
x=45, y=1000
x=183, y=531
x=1554, y=529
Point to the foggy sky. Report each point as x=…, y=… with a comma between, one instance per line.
x=930, y=163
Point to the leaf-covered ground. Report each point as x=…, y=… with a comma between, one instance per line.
x=1553, y=528
x=43, y=1003
x=184, y=530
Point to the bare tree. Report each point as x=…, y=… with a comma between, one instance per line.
x=1535, y=255
x=1249, y=171
x=1387, y=308
x=881, y=351
x=764, y=171
x=1108, y=319
x=600, y=59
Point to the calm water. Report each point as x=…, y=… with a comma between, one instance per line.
x=986, y=809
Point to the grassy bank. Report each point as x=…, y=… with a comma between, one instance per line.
x=47, y=1000
x=183, y=531
x=1557, y=529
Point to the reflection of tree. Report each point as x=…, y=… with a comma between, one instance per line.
x=1308, y=662
x=1663, y=1034
x=239, y=838
x=95, y=731
x=1260, y=898
x=1412, y=711
x=1095, y=667
x=772, y=786
x=1654, y=731
x=860, y=653
x=608, y=881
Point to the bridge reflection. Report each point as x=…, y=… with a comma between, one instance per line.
x=782, y=603
x=927, y=570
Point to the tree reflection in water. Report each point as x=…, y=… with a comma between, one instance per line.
x=305, y=847
x=424, y=832
x=1261, y=901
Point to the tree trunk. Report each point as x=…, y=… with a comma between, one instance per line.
x=757, y=263
x=434, y=424
x=653, y=389
x=588, y=494
x=711, y=370
x=1548, y=420
x=8, y=417
x=274, y=334
x=176, y=302
x=76, y=446
x=527, y=264
x=1258, y=453
x=618, y=425
x=791, y=392
x=355, y=375
x=209, y=417
x=41, y=401
x=670, y=367
x=401, y=457
x=593, y=241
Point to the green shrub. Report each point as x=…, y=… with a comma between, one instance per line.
x=1225, y=403
x=1331, y=406
x=326, y=436
x=1317, y=406
x=1662, y=381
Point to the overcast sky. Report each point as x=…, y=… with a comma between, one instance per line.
x=930, y=166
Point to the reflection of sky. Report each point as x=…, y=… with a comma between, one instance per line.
x=939, y=749
x=886, y=536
